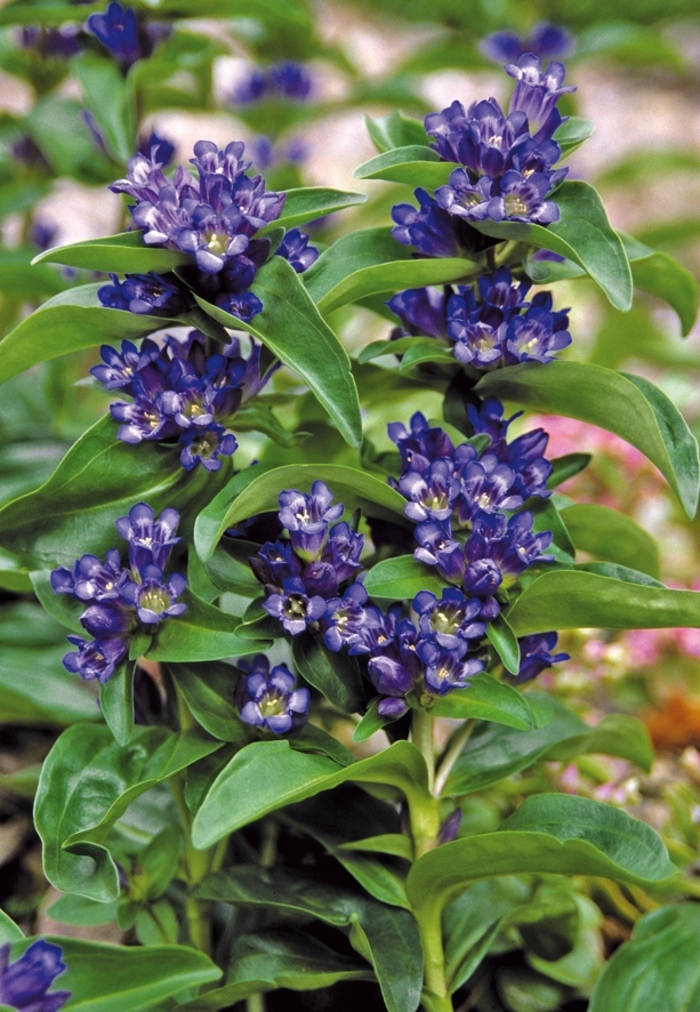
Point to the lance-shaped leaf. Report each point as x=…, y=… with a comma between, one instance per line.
x=110, y=98
x=87, y=782
x=627, y=405
x=576, y=599
x=657, y=968
x=583, y=234
x=9, y=931
x=391, y=934
x=549, y=834
x=119, y=978
x=125, y=253
x=372, y=261
x=250, y=493
x=98, y=480
x=610, y=535
x=309, y=202
x=402, y=578
x=395, y=130
x=495, y=751
x=268, y=775
x=485, y=699
x=292, y=328
x=570, y=134
x=208, y=691
x=504, y=642
x=336, y=675
x=415, y=164
x=70, y=321
x=202, y=633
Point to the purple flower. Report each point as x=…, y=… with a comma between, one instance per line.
x=270, y=701
x=95, y=658
x=24, y=983
x=429, y=228
x=146, y=293
x=462, y=198
x=153, y=599
x=290, y=80
x=532, y=338
x=422, y=444
x=545, y=40
x=451, y=620
x=150, y=540
x=118, y=31
x=450, y=827
x=479, y=139
x=536, y=655
x=206, y=446
x=537, y=92
x=479, y=338
x=307, y=517
x=486, y=486
x=511, y=545
x=42, y=234
x=295, y=248
x=498, y=291
x=421, y=311
x=293, y=607
x=437, y=547
x=343, y=550
x=431, y=494
x=107, y=619
x=251, y=88
x=91, y=579
x=445, y=668
x=50, y=43
x=163, y=150
x=275, y=563
x=522, y=199
x=347, y=619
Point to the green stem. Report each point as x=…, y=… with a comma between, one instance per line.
x=422, y=735
x=255, y=1003
x=431, y=937
x=452, y=754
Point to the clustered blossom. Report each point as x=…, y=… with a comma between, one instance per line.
x=506, y=163
x=286, y=80
x=267, y=699
x=50, y=43
x=545, y=40
x=489, y=326
x=181, y=394
x=124, y=36
x=24, y=983
x=121, y=601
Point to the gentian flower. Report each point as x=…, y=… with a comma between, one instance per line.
x=421, y=311
x=146, y=293
x=422, y=444
x=536, y=655
x=306, y=517
x=50, y=43
x=95, y=658
x=347, y=619
x=295, y=248
x=445, y=668
x=290, y=80
x=546, y=40
x=451, y=620
x=118, y=31
x=153, y=599
x=150, y=540
x=430, y=229
x=25, y=982
x=537, y=92
x=293, y=607
x=269, y=700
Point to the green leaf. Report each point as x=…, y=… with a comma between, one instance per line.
x=82, y=912
x=495, y=751
x=503, y=640
x=661, y=275
x=372, y=261
x=125, y=253
x=567, y=467
x=267, y=775
x=415, y=164
x=68, y=322
x=117, y=702
x=378, y=348
x=657, y=968
x=110, y=98
x=87, y=783
x=395, y=130
x=98, y=480
x=259, y=418
x=241, y=499
x=292, y=328
x=546, y=517
x=572, y=133
x=583, y=234
x=486, y=699
x=401, y=579
x=57, y=127
x=208, y=691
x=310, y=738
x=268, y=960
x=610, y=535
x=309, y=202
x=335, y=675
x=201, y=633
x=229, y=570
x=9, y=931
x=391, y=935
x=427, y=350
x=118, y=978
x=575, y=599
x=371, y=722
x=549, y=834
x=629, y=406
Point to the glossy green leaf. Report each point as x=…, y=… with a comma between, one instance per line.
x=117, y=702
x=503, y=640
x=567, y=467
x=259, y=494
x=485, y=699
x=549, y=834
x=415, y=164
x=208, y=691
x=546, y=518
x=658, y=968
x=392, y=935
x=495, y=751
x=310, y=738
x=9, y=931
x=201, y=633
x=661, y=275
x=119, y=978
x=372, y=261
x=427, y=350
x=335, y=675
x=125, y=253
x=70, y=321
x=267, y=775
x=110, y=98
x=583, y=234
x=610, y=535
x=57, y=127
x=80, y=911
x=570, y=134
x=401, y=579
x=378, y=348
x=268, y=960
x=629, y=406
x=98, y=480
x=259, y=418
x=87, y=783
x=371, y=722
x=229, y=570
x=575, y=599
x=395, y=130
x=309, y=202
x=292, y=328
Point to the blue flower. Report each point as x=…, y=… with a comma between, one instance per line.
x=307, y=517
x=293, y=607
x=146, y=293
x=51, y=43
x=91, y=579
x=479, y=139
x=118, y=31
x=347, y=619
x=290, y=80
x=206, y=446
x=95, y=658
x=537, y=92
x=274, y=563
x=153, y=599
x=422, y=444
x=295, y=248
x=24, y=983
x=270, y=701
x=445, y=669
x=532, y=337
x=536, y=655
x=150, y=540
x=451, y=620
x=430, y=229
x=545, y=40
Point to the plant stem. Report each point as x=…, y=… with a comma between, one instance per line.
x=255, y=1003
x=451, y=756
x=422, y=736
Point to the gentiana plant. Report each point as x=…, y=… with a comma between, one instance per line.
x=339, y=584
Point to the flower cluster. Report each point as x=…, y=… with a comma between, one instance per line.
x=489, y=327
x=304, y=575
x=119, y=600
x=24, y=983
x=124, y=36
x=286, y=80
x=50, y=43
x=181, y=394
x=267, y=699
x=506, y=163
x=545, y=40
